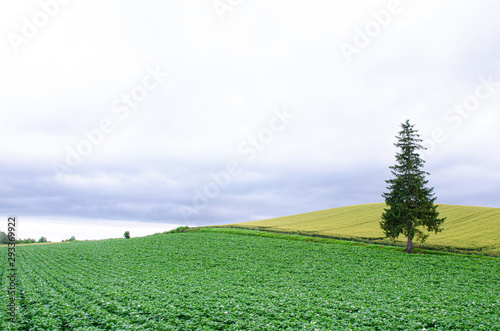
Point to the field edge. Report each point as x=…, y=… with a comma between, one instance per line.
x=273, y=234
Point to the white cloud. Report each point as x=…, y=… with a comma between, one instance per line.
x=225, y=78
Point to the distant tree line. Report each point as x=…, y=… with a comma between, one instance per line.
x=70, y=239
x=4, y=239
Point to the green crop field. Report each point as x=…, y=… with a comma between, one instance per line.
x=208, y=280
x=466, y=229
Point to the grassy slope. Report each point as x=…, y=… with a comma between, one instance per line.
x=466, y=229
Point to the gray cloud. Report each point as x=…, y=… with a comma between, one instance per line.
x=224, y=80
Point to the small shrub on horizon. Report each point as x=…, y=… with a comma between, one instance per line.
x=182, y=229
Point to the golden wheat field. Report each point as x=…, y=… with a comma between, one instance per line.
x=466, y=229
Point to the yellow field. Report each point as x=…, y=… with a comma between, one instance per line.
x=466, y=229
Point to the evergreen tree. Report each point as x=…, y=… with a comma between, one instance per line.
x=410, y=203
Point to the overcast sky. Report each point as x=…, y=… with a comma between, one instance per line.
x=212, y=112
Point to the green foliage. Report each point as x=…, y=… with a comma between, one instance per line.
x=42, y=239
x=215, y=281
x=70, y=239
x=126, y=235
x=3, y=238
x=182, y=229
x=27, y=241
x=411, y=207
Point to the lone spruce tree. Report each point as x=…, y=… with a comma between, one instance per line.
x=410, y=203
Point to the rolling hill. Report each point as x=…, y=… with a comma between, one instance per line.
x=466, y=229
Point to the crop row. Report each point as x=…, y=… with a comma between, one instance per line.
x=207, y=281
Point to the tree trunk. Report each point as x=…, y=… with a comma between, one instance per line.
x=409, y=246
